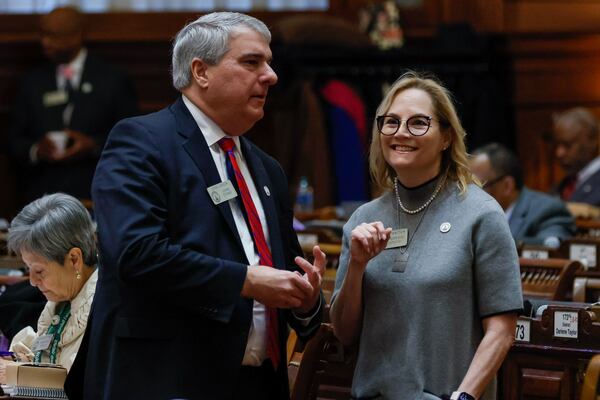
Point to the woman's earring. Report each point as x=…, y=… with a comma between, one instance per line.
x=77, y=275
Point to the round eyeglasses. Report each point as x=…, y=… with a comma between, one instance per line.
x=417, y=125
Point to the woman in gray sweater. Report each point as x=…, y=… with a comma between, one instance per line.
x=428, y=282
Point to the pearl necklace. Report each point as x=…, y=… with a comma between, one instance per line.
x=424, y=206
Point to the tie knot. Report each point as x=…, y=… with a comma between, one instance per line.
x=66, y=71
x=227, y=144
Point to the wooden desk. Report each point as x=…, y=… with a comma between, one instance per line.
x=11, y=262
x=3, y=239
x=545, y=366
x=11, y=280
x=544, y=372
x=588, y=227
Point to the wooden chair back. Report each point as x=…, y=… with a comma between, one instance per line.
x=325, y=369
x=589, y=390
x=548, y=279
x=586, y=289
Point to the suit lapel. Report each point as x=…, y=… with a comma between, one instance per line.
x=585, y=190
x=52, y=115
x=266, y=192
x=517, y=218
x=87, y=75
x=196, y=147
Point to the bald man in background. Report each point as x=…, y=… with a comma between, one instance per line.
x=64, y=111
x=576, y=136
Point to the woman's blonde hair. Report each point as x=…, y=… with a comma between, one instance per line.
x=454, y=158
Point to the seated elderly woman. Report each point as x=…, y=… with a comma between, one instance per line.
x=55, y=236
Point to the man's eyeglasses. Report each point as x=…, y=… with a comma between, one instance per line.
x=417, y=125
x=489, y=183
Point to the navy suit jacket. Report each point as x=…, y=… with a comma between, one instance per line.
x=537, y=216
x=108, y=98
x=168, y=320
x=586, y=192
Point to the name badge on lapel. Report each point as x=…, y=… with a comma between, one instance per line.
x=55, y=98
x=222, y=192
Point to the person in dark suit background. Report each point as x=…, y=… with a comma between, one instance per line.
x=64, y=111
x=191, y=217
x=533, y=217
x=75, y=98
x=576, y=136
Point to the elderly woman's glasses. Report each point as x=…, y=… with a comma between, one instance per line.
x=417, y=125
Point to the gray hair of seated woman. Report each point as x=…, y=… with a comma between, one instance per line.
x=207, y=38
x=51, y=226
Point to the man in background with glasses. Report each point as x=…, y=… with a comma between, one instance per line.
x=533, y=217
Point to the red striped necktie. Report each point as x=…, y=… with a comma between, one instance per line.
x=264, y=253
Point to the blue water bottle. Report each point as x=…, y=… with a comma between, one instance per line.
x=304, y=197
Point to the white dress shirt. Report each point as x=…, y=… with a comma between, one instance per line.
x=510, y=210
x=76, y=65
x=256, y=348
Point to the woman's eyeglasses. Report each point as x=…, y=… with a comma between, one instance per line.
x=417, y=125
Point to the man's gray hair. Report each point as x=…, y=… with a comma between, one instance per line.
x=51, y=226
x=207, y=38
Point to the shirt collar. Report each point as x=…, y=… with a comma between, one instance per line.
x=77, y=63
x=509, y=210
x=211, y=131
x=589, y=170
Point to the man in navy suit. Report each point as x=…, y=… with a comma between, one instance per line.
x=64, y=111
x=200, y=275
x=576, y=137
x=533, y=217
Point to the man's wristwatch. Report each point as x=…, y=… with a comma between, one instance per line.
x=461, y=396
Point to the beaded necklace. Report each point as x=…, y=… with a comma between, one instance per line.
x=401, y=260
x=424, y=206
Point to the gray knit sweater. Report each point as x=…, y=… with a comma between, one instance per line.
x=421, y=327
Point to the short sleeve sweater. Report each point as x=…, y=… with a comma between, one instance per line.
x=421, y=327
